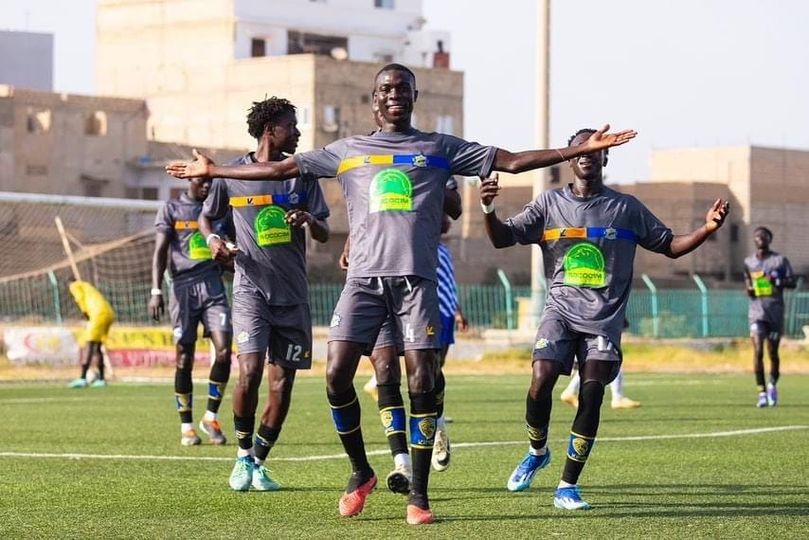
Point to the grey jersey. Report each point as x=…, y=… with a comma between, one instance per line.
x=768, y=304
x=272, y=254
x=588, y=249
x=394, y=189
x=189, y=256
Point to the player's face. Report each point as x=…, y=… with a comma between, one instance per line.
x=394, y=96
x=199, y=188
x=588, y=166
x=285, y=133
x=761, y=239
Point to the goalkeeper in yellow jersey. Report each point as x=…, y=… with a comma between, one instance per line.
x=100, y=317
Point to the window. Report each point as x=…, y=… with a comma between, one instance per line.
x=444, y=124
x=150, y=193
x=384, y=4
x=93, y=187
x=258, y=47
x=734, y=233
x=96, y=124
x=39, y=120
x=36, y=170
x=383, y=57
x=304, y=43
x=331, y=119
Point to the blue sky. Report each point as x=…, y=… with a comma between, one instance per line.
x=683, y=73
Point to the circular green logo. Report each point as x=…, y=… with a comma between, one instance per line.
x=391, y=189
x=271, y=227
x=198, y=250
x=584, y=266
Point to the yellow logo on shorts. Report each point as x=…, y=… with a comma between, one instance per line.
x=430, y=331
x=243, y=337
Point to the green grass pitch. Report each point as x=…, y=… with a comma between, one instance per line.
x=696, y=460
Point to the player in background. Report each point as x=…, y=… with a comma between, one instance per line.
x=766, y=275
x=197, y=295
x=393, y=182
x=100, y=316
x=451, y=316
x=271, y=317
x=588, y=234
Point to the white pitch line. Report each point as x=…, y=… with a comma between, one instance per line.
x=326, y=457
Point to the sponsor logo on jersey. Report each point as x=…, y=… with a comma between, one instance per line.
x=335, y=321
x=271, y=227
x=584, y=266
x=420, y=160
x=198, y=249
x=541, y=343
x=391, y=190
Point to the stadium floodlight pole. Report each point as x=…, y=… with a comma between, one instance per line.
x=542, y=136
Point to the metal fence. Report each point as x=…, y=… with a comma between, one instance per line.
x=663, y=313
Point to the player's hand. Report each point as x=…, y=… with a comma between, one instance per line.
x=751, y=293
x=601, y=139
x=342, y=262
x=156, y=306
x=299, y=218
x=200, y=167
x=489, y=189
x=717, y=214
x=222, y=252
x=461, y=322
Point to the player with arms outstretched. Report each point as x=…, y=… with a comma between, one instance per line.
x=588, y=234
x=393, y=182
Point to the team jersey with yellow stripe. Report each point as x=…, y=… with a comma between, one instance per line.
x=272, y=253
x=394, y=189
x=189, y=256
x=588, y=250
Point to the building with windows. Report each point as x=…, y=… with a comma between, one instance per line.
x=200, y=69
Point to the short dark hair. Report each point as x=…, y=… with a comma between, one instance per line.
x=765, y=230
x=267, y=112
x=395, y=67
x=589, y=131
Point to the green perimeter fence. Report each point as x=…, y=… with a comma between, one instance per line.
x=664, y=313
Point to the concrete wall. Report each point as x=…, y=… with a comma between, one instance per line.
x=47, y=148
x=26, y=60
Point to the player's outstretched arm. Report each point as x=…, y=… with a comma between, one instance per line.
x=203, y=166
x=536, y=159
x=498, y=232
x=686, y=243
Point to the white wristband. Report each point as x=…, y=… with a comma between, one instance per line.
x=210, y=236
x=487, y=209
x=157, y=292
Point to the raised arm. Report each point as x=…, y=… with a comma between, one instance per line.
x=204, y=166
x=536, y=159
x=499, y=233
x=686, y=243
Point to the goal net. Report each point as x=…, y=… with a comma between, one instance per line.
x=112, y=242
